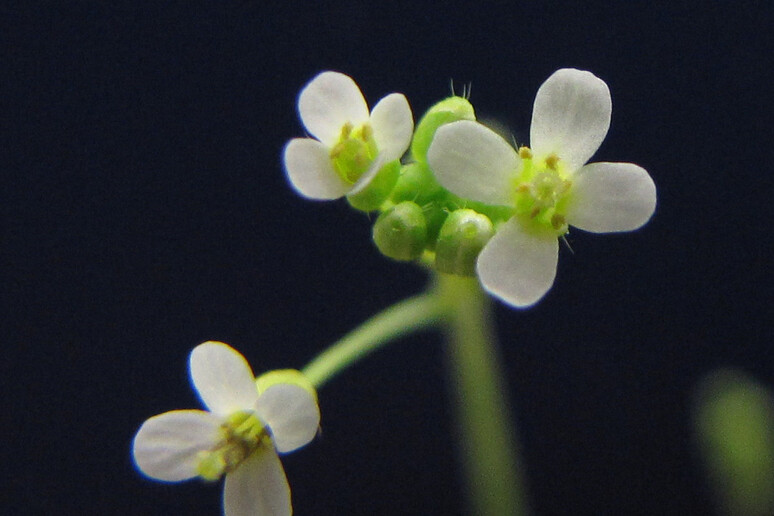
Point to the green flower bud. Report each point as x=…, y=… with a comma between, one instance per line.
x=461, y=238
x=401, y=232
x=448, y=110
x=378, y=190
x=416, y=183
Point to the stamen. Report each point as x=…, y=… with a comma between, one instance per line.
x=551, y=161
x=557, y=221
x=241, y=435
x=541, y=190
x=346, y=129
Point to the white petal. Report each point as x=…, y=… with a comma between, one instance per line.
x=516, y=266
x=571, y=116
x=310, y=170
x=166, y=446
x=223, y=378
x=393, y=125
x=474, y=162
x=611, y=197
x=291, y=413
x=258, y=487
x=328, y=102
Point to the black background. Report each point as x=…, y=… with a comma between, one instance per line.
x=145, y=210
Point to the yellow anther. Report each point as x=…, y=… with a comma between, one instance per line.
x=337, y=150
x=551, y=161
x=557, y=221
x=346, y=130
x=525, y=152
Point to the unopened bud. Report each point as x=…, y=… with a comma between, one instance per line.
x=448, y=110
x=462, y=237
x=415, y=183
x=401, y=232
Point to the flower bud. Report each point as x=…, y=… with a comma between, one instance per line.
x=461, y=238
x=416, y=183
x=448, y=110
x=401, y=232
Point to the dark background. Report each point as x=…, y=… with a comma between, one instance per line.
x=145, y=210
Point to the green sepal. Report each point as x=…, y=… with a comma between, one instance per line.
x=400, y=232
x=378, y=190
x=448, y=110
x=279, y=376
x=460, y=240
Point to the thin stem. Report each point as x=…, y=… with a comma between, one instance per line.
x=401, y=318
x=488, y=437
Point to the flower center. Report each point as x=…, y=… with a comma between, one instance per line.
x=354, y=152
x=540, y=193
x=242, y=433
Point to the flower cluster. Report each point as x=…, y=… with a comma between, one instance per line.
x=451, y=194
x=247, y=423
x=465, y=201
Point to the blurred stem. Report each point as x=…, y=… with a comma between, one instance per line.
x=401, y=318
x=487, y=433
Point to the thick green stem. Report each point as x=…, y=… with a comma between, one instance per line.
x=404, y=317
x=487, y=433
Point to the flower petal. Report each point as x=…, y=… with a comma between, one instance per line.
x=257, y=486
x=611, y=197
x=393, y=125
x=166, y=445
x=571, y=116
x=516, y=266
x=474, y=162
x=223, y=378
x=310, y=171
x=291, y=413
x=328, y=102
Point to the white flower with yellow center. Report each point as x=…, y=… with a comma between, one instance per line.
x=549, y=185
x=238, y=437
x=350, y=145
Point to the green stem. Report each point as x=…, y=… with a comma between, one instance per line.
x=487, y=434
x=404, y=317
x=488, y=437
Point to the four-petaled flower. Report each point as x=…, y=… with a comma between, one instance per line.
x=549, y=186
x=239, y=437
x=351, y=144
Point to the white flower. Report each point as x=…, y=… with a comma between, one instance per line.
x=351, y=144
x=239, y=436
x=549, y=186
